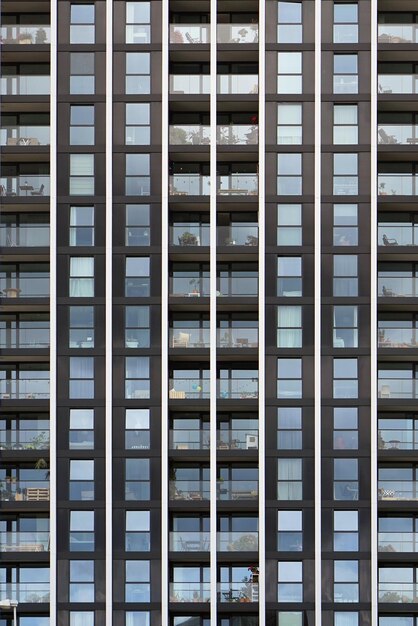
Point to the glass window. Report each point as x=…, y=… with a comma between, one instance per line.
x=289, y=479
x=345, y=124
x=346, y=531
x=346, y=479
x=289, y=124
x=137, y=377
x=289, y=428
x=289, y=536
x=137, y=129
x=137, y=225
x=138, y=80
x=81, y=125
x=289, y=378
x=345, y=22
x=138, y=17
x=289, y=276
x=345, y=73
x=81, y=581
x=345, y=179
x=290, y=581
x=137, y=618
x=81, y=618
x=289, y=326
x=289, y=224
x=289, y=72
x=346, y=578
x=82, y=226
x=137, y=433
x=81, y=174
x=82, y=531
x=345, y=378
x=345, y=281
x=345, y=230
x=345, y=332
x=137, y=281
x=137, y=585
x=81, y=433
x=137, y=479
x=290, y=618
x=137, y=327
x=82, y=23
x=289, y=29
x=81, y=277
x=81, y=479
x=82, y=73
x=81, y=383
x=137, y=179
x=137, y=531
x=81, y=326
x=289, y=174
x=345, y=428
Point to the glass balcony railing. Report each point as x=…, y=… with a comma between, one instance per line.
x=24, y=338
x=397, y=84
x=28, y=236
x=190, y=235
x=24, y=439
x=23, y=85
x=397, y=185
x=188, y=84
x=24, y=490
x=25, y=593
x=237, y=235
x=237, y=135
x=189, y=389
x=402, y=593
x=397, y=234
x=29, y=389
x=241, y=388
x=189, y=338
x=397, y=287
x=237, y=33
x=397, y=338
x=189, y=135
x=192, y=439
x=189, y=286
x=24, y=541
x=400, y=134
x=189, y=33
x=237, y=439
x=238, y=592
x=398, y=388
x=31, y=185
x=189, y=542
x=189, y=185
x=189, y=490
x=238, y=286
x=237, y=338
x=397, y=490
x=237, y=490
x=397, y=33
x=237, y=185
x=397, y=438
x=190, y=592
x=237, y=541
x=397, y=542
x=25, y=34
x=24, y=286
x=237, y=84
x=24, y=136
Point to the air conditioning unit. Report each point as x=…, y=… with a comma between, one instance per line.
x=252, y=442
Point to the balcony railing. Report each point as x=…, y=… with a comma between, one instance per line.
x=190, y=592
x=189, y=33
x=397, y=439
x=237, y=338
x=189, y=542
x=189, y=490
x=188, y=135
x=189, y=286
x=190, y=235
x=24, y=338
x=24, y=541
x=193, y=439
x=25, y=593
x=24, y=439
x=398, y=388
x=24, y=490
x=198, y=185
x=237, y=84
x=237, y=135
x=237, y=33
x=397, y=234
x=397, y=33
x=189, y=185
x=237, y=439
x=189, y=389
x=400, y=134
x=397, y=185
x=29, y=389
x=397, y=338
x=245, y=285
x=397, y=84
x=237, y=185
x=28, y=236
x=397, y=490
x=241, y=388
x=402, y=593
x=30, y=185
x=23, y=85
x=237, y=490
x=397, y=287
x=237, y=541
x=25, y=34
x=24, y=286
x=24, y=136
x=397, y=542
x=188, y=84
x=237, y=235
x=238, y=592
x=189, y=338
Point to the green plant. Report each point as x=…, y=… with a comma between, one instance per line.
x=178, y=135
x=188, y=239
x=41, y=36
x=24, y=36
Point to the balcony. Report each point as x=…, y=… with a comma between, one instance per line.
x=237, y=235
x=228, y=84
x=189, y=542
x=189, y=389
x=238, y=284
x=232, y=490
x=397, y=234
x=397, y=185
x=237, y=388
x=24, y=286
x=22, y=85
x=25, y=34
x=237, y=337
x=397, y=286
x=24, y=439
x=189, y=33
x=33, y=186
x=401, y=337
x=190, y=439
x=397, y=433
x=397, y=542
x=23, y=136
x=190, y=592
x=189, y=185
x=189, y=338
x=238, y=592
x=402, y=593
x=235, y=439
x=397, y=490
x=237, y=541
x=24, y=541
x=237, y=184
x=237, y=135
x=399, y=84
x=25, y=593
x=397, y=134
x=237, y=33
x=189, y=490
x=398, y=388
x=13, y=490
x=24, y=336
x=193, y=234
x=189, y=84
x=189, y=135
x=24, y=236
x=397, y=33
x=192, y=286
x=24, y=389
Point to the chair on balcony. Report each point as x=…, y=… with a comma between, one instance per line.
x=385, y=391
x=389, y=242
x=387, y=292
x=190, y=39
x=176, y=395
x=385, y=137
x=39, y=192
x=181, y=341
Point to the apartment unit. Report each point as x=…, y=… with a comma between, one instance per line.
x=208, y=313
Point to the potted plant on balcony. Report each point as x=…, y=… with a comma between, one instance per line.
x=252, y=240
x=188, y=239
x=41, y=36
x=254, y=573
x=382, y=191
x=24, y=38
x=178, y=136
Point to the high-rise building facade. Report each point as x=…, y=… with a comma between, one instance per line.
x=208, y=313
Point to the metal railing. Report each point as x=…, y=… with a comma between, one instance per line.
x=189, y=541
x=189, y=33
x=237, y=33
x=25, y=34
x=25, y=85
x=26, y=186
x=24, y=136
x=397, y=33
x=24, y=439
x=24, y=541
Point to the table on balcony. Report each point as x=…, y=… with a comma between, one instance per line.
x=26, y=188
